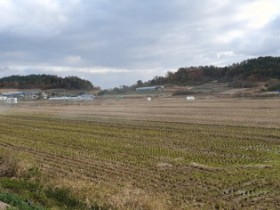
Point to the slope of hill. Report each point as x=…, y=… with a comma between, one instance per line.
x=244, y=74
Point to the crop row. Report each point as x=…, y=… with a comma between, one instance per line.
x=187, y=162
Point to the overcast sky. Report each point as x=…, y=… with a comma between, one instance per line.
x=113, y=42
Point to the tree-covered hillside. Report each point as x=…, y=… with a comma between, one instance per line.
x=251, y=70
x=45, y=82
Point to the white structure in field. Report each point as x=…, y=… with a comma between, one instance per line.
x=11, y=100
x=190, y=98
x=3, y=98
x=149, y=99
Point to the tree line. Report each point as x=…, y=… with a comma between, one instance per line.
x=243, y=74
x=251, y=70
x=43, y=81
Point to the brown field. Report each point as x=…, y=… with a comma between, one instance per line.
x=243, y=112
x=166, y=154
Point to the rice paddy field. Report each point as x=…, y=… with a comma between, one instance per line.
x=165, y=154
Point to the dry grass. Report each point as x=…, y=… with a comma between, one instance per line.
x=247, y=112
x=8, y=165
x=167, y=154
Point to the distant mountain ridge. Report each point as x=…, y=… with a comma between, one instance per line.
x=43, y=81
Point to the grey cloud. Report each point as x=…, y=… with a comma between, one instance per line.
x=265, y=41
x=135, y=35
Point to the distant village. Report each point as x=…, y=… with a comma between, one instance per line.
x=12, y=96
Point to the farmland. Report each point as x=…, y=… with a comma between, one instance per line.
x=164, y=154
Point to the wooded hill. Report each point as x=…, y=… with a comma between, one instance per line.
x=241, y=74
x=244, y=74
x=44, y=82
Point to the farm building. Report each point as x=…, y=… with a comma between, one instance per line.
x=150, y=89
x=3, y=98
x=84, y=97
x=31, y=94
x=18, y=95
x=28, y=94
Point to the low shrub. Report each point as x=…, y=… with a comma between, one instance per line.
x=273, y=85
x=63, y=196
x=236, y=83
x=185, y=92
x=8, y=165
x=17, y=202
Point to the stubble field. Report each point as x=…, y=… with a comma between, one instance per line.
x=165, y=154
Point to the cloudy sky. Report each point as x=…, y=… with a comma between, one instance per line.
x=113, y=42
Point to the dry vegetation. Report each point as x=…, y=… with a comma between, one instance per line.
x=166, y=154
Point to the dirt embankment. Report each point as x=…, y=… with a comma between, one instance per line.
x=4, y=206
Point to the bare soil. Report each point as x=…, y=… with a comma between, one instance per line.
x=3, y=206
